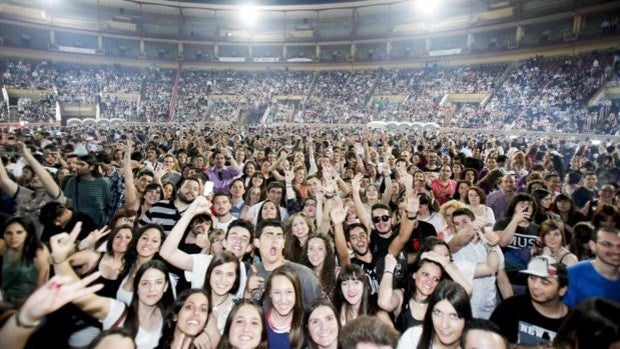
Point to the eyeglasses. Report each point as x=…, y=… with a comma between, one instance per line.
x=378, y=219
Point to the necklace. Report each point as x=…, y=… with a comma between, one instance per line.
x=278, y=329
x=420, y=301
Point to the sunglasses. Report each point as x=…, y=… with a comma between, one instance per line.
x=378, y=219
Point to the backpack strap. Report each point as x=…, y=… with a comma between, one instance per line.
x=120, y=318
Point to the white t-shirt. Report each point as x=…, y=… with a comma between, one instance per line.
x=484, y=295
x=224, y=226
x=144, y=339
x=410, y=338
x=198, y=274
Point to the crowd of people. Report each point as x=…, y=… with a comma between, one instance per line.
x=295, y=237
x=537, y=94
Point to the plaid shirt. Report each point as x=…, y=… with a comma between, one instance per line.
x=117, y=188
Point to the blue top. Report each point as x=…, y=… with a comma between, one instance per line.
x=277, y=340
x=585, y=282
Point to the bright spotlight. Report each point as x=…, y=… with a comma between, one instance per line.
x=248, y=14
x=425, y=7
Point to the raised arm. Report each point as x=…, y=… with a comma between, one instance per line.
x=62, y=247
x=407, y=224
x=450, y=268
x=491, y=265
x=231, y=158
x=7, y=184
x=338, y=215
x=45, y=177
x=359, y=206
x=48, y=298
x=131, y=196
x=313, y=168
x=170, y=248
x=42, y=265
x=506, y=235
x=389, y=299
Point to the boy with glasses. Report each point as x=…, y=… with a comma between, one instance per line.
x=599, y=277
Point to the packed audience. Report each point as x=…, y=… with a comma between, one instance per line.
x=539, y=94
x=293, y=237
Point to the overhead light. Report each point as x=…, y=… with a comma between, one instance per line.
x=248, y=14
x=425, y=7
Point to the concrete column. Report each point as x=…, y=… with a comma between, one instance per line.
x=317, y=52
x=388, y=49
x=470, y=40
x=519, y=33
x=353, y=50
x=141, y=45
x=578, y=23
x=100, y=41
x=52, y=36
x=179, y=48
x=216, y=51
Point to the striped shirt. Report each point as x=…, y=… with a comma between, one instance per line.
x=163, y=213
x=92, y=197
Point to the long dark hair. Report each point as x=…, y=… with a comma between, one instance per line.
x=321, y=302
x=31, y=243
x=518, y=198
x=219, y=259
x=353, y=272
x=296, y=333
x=225, y=341
x=456, y=295
x=293, y=250
x=131, y=256
x=260, y=211
x=110, y=239
x=593, y=323
x=132, y=321
x=328, y=270
x=170, y=322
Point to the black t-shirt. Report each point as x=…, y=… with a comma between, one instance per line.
x=520, y=323
x=517, y=253
x=370, y=269
x=50, y=229
x=419, y=233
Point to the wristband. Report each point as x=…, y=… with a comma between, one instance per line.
x=24, y=325
x=54, y=262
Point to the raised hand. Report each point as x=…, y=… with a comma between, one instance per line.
x=55, y=293
x=200, y=205
x=406, y=179
x=356, y=182
x=63, y=244
x=390, y=262
x=412, y=202
x=93, y=237
x=22, y=149
x=289, y=175
x=436, y=257
x=338, y=213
